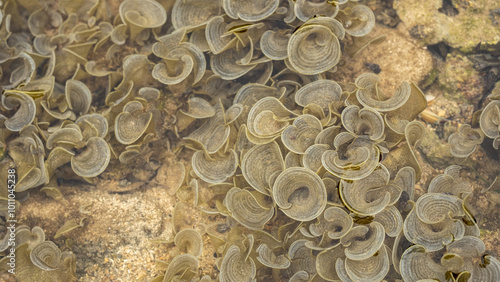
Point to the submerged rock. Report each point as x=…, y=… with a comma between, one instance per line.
x=459, y=79
x=460, y=24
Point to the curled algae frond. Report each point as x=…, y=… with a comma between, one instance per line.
x=246, y=209
x=300, y=193
x=38, y=259
x=313, y=49
x=464, y=142
x=25, y=113
x=140, y=15
x=132, y=123
x=315, y=179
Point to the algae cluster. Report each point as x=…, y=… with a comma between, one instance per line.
x=308, y=179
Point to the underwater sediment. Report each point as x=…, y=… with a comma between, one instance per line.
x=237, y=142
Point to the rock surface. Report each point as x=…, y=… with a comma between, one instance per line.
x=460, y=24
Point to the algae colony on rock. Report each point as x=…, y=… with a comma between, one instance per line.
x=237, y=142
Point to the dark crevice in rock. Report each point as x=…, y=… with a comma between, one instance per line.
x=494, y=16
x=490, y=151
x=440, y=49
x=486, y=59
x=448, y=9
x=418, y=31
x=373, y=67
x=385, y=13
x=490, y=78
